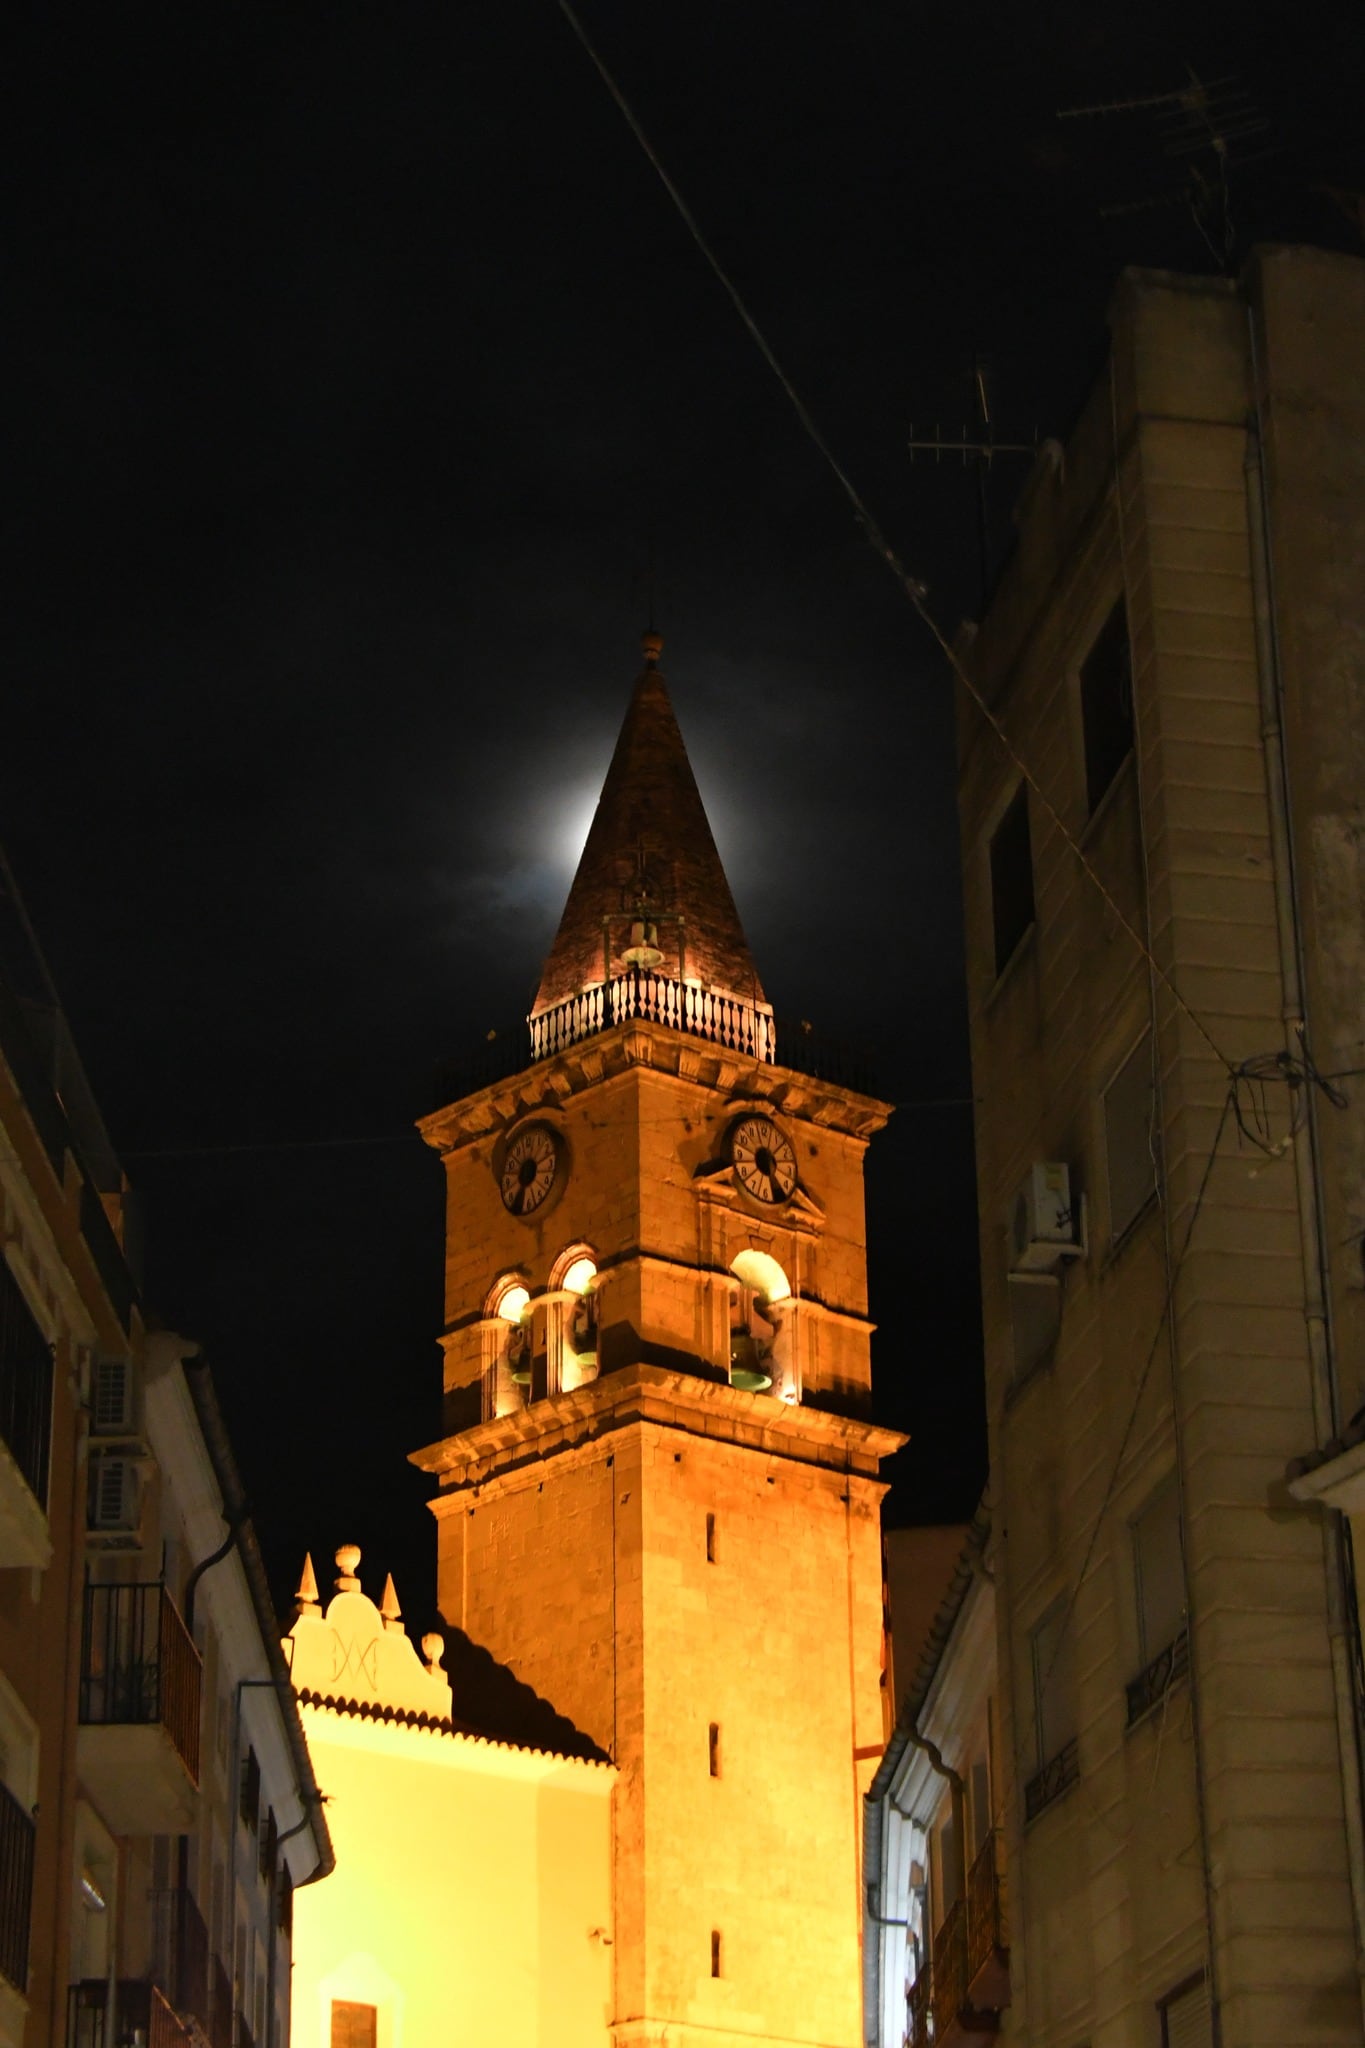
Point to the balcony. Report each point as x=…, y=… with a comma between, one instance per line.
x=958, y=1997
x=220, y=2025
x=25, y=1430
x=1058, y=1775
x=128, y=2014
x=988, y=1951
x=138, y=1741
x=16, y=1888
x=180, y=1952
x=744, y=1028
x=1151, y=1685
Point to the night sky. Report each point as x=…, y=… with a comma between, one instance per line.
x=358, y=366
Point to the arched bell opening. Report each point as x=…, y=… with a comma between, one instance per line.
x=508, y=1365
x=762, y=1351
x=572, y=1307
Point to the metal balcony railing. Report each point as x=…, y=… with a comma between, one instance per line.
x=948, y=1978
x=101, y=2015
x=745, y=1028
x=919, y=2031
x=180, y=1950
x=987, y=1936
x=139, y=1666
x=1057, y=1776
x=25, y=1387
x=1153, y=1683
x=16, y=1888
x=220, y=2026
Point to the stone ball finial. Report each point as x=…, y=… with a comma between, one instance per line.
x=651, y=646
x=348, y=1557
x=433, y=1649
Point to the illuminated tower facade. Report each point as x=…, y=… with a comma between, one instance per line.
x=658, y=1495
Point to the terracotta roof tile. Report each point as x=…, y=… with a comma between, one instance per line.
x=649, y=855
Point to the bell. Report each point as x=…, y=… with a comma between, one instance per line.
x=643, y=951
x=748, y=1371
x=519, y=1358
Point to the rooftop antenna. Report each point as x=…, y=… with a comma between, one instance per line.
x=976, y=449
x=1206, y=126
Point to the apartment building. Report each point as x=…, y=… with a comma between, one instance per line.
x=1162, y=761
x=157, y=1805
x=936, y=1928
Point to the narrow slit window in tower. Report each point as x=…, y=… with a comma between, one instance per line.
x=713, y=1749
x=710, y=1539
x=715, y=1951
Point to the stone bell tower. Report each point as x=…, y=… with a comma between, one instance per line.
x=658, y=1495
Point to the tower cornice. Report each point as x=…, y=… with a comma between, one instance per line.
x=638, y=1042
x=669, y=1399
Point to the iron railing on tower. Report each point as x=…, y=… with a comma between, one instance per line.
x=745, y=1028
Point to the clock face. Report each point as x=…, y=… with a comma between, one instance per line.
x=764, y=1159
x=530, y=1169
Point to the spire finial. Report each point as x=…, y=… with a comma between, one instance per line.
x=306, y=1599
x=348, y=1557
x=651, y=646
x=388, y=1605
x=433, y=1649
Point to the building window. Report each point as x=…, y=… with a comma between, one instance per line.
x=1011, y=879
x=354, y=2026
x=270, y=1837
x=715, y=1951
x=710, y=1539
x=1130, y=1138
x=1107, y=705
x=1186, y=2021
x=284, y=1901
x=249, y=1799
x=1053, y=1712
x=1159, y=1584
x=25, y=1386
x=713, y=1749
x=18, y=1833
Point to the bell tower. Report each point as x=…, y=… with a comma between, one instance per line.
x=658, y=1492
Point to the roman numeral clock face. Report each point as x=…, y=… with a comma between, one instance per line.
x=764, y=1159
x=530, y=1169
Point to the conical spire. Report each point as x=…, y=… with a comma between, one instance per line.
x=649, y=878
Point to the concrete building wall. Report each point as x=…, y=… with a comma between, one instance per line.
x=471, y=1903
x=1212, y=1829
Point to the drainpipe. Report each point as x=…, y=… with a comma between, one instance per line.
x=304, y=1820
x=1342, y=1622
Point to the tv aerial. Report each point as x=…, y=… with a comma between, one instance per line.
x=1204, y=129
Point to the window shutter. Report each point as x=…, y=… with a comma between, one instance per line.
x=1186, y=2021
x=1052, y=1685
x=250, y=1801
x=1160, y=1572
x=111, y=1397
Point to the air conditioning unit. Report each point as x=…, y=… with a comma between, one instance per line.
x=1044, y=1226
x=114, y=1501
x=113, y=1398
